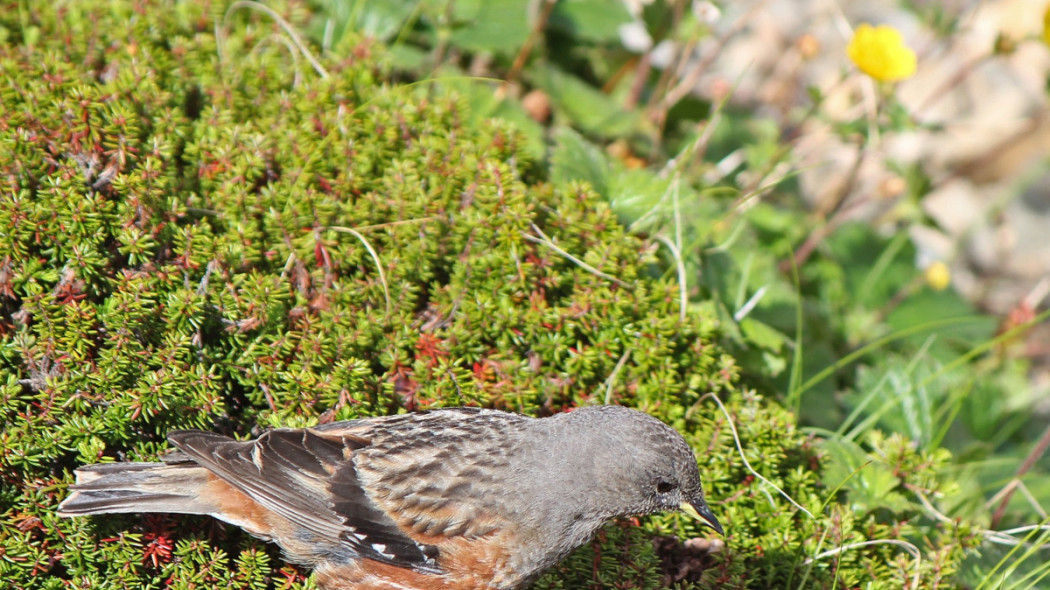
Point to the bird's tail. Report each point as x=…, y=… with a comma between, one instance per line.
x=137, y=487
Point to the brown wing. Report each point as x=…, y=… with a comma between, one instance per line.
x=440, y=473
x=308, y=477
x=443, y=477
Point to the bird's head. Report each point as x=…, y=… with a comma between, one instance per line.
x=645, y=465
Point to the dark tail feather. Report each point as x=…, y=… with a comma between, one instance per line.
x=137, y=487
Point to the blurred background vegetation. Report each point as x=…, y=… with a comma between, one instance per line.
x=862, y=212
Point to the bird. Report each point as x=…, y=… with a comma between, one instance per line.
x=454, y=499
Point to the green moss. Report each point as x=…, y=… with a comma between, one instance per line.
x=175, y=255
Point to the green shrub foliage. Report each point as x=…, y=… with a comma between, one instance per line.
x=203, y=232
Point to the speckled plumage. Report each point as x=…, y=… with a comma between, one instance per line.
x=458, y=499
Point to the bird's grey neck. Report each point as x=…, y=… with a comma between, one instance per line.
x=570, y=452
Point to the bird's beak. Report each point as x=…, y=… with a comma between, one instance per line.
x=699, y=510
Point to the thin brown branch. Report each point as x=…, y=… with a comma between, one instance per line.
x=1034, y=455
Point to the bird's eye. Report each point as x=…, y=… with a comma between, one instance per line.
x=662, y=487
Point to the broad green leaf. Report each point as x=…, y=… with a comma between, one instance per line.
x=633, y=193
x=762, y=335
x=575, y=159
x=493, y=26
x=870, y=484
x=593, y=20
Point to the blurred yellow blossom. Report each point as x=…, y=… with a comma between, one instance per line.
x=1046, y=25
x=938, y=277
x=880, y=52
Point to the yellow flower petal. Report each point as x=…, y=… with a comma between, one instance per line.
x=1046, y=25
x=880, y=52
x=938, y=276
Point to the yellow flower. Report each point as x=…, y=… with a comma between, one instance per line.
x=880, y=52
x=938, y=277
x=1046, y=25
